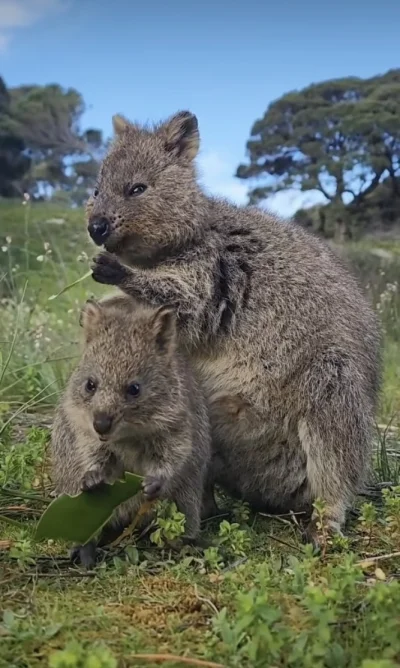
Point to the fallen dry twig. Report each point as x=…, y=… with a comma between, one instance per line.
x=291, y=546
x=205, y=600
x=5, y=544
x=380, y=557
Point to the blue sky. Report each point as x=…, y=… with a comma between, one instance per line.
x=223, y=60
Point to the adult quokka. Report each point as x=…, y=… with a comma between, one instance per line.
x=285, y=343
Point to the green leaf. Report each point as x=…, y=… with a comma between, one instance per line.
x=71, y=285
x=78, y=518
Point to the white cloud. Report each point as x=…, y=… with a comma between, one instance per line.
x=15, y=14
x=216, y=174
x=286, y=203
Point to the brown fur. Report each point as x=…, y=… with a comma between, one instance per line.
x=285, y=343
x=162, y=434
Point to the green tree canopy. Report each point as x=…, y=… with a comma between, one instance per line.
x=42, y=146
x=14, y=164
x=339, y=137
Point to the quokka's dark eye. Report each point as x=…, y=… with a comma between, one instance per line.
x=90, y=386
x=133, y=390
x=136, y=189
x=95, y=192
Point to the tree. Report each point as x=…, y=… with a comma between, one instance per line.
x=14, y=164
x=44, y=122
x=340, y=137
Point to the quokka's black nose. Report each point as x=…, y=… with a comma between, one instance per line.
x=102, y=423
x=99, y=229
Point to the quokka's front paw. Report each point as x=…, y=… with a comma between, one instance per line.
x=107, y=269
x=84, y=555
x=153, y=487
x=93, y=479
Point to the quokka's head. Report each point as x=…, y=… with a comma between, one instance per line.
x=147, y=198
x=127, y=378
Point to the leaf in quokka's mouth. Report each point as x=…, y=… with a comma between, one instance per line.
x=77, y=519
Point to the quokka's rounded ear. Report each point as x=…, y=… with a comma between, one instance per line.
x=181, y=135
x=89, y=316
x=120, y=124
x=164, y=328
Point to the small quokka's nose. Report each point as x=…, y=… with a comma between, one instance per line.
x=99, y=229
x=102, y=423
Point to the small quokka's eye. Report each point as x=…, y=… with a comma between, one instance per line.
x=136, y=189
x=95, y=192
x=133, y=390
x=90, y=386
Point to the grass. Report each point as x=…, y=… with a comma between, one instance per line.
x=38, y=258
x=257, y=597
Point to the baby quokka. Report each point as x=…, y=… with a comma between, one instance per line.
x=132, y=404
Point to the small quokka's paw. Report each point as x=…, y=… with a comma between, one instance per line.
x=197, y=541
x=92, y=480
x=152, y=487
x=209, y=507
x=85, y=555
x=107, y=269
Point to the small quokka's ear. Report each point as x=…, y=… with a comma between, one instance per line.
x=164, y=328
x=120, y=124
x=181, y=135
x=89, y=317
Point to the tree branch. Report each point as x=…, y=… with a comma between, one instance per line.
x=375, y=181
x=323, y=191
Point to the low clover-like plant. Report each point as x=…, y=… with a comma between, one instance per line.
x=391, y=499
x=305, y=616
x=170, y=524
x=368, y=520
x=213, y=560
x=23, y=552
x=76, y=656
x=241, y=511
x=233, y=538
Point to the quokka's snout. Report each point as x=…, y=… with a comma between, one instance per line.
x=102, y=423
x=99, y=228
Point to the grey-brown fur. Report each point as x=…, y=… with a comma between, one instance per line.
x=162, y=434
x=285, y=343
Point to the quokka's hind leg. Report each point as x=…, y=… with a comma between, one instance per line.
x=335, y=434
x=209, y=505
